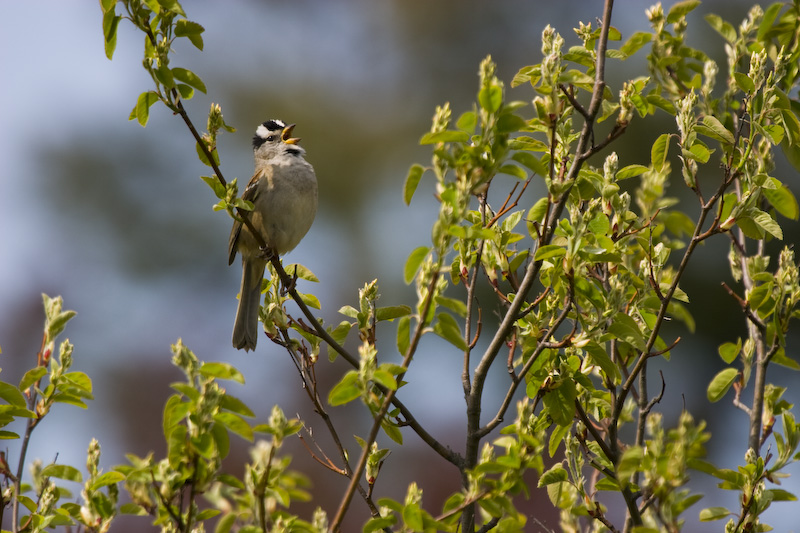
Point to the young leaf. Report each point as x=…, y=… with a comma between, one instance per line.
x=549, y=251
x=444, y=137
x=721, y=383
x=658, y=153
x=626, y=329
x=631, y=171
x=680, y=10
x=714, y=128
x=729, y=351
x=727, y=31
x=12, y=394
x=448, y=329
x=556, y=474
x=222, y=371
x=784, y=201
x=635, y=42
x=403, y=334
x=216, y=185
x=391, y=312
x=235, y=424
x=66, y=472
x=110, y=25
x=412, y=181
x=189, y=78
x=714, y=513
x=191, y=30
x=346, y=390
x=142, y=110
x=413, y=263
x=32, y=376
x=491, y=98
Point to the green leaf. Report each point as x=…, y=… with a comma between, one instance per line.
x=191, y=30
x=528, y=143
x=110, y=25
x=744, y=82
x=768, y=224
x=234, y=404
x=635, y=42
x=142, y=110
x=780, y=495
x=446, y=136
x=680, y=10
x=222, y=439
x=448, y=329
x=403, y=335
x=491, y=98
x=236, y=424
x=391, y=312
x=346, y=390
x=12, y=394
x=412, y=181
x=699, y=152
x=176, y=446
x=659, y=150
x=549, y=251
x=510, y=123
x=780, y=358
x=783, y=200
x=513, y=170
x=189, y=78
x=453, y=304
x=412, y=517
x=729, y=351
x=715, y=129
x=631, y=171
x=556, y=438
x=721, y=383
x=714, y=513
x=555, y=474
x=385, y=379
x=626, y=329
x=339, y=333
x=108, y=478
x=5, y=435
x=413, y=263
x=727, y=31
x=174, y=411
x=530, y=161
x=301, y=272
x=222, y=371
x=216, y=185
x=374, y=524
x=598, y=356
x=66, y=472
x=560, y=402
x=629, y=463
x=467, y=121
x=310, y=300
x=57, y=324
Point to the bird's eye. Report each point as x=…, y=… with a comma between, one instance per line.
x=271, y=138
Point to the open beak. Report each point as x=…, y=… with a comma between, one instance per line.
x=286, y=136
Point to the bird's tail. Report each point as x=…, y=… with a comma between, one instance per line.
x=245, y=328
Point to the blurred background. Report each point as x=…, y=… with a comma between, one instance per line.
x=114, y=218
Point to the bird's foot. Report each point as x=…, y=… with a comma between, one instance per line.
x=266, y=253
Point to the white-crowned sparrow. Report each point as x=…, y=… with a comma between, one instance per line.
x=284, y=195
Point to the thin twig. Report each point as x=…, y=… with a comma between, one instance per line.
x=384, y=408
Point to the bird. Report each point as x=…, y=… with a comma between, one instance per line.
x=284, y=194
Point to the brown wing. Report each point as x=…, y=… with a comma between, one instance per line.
x=249, y=194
